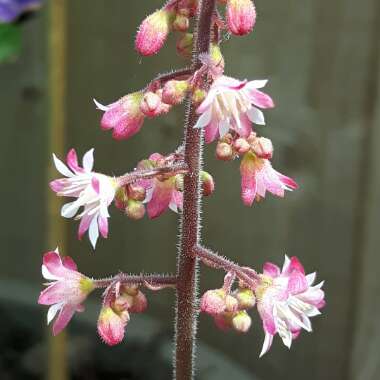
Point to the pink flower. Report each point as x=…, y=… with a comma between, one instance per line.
x=66, y=292
x=94, y=192
x=161, y=193
x=232, y=104
x=124, y=116
x=241, y=16
x=286, y=300
x=258, y=177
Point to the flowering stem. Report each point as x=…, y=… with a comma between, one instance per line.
x=134, y=176
x=149, y=280
x=186, y=310
x=176, y=74
x=213, y=260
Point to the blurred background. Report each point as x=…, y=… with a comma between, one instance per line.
x=323, y=64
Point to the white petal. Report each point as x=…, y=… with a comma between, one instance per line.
x=224, y=127
x=100, y=106
x=149, y=195
x=310, y=278
x=88, y=160
x=93, y=231
x=47, y=275
x=286, y=264
x=173, y=206
x=204, y=119
x=53, y=310
x=68, y=210
x=256, y=116
x=257, y=83
x=61, y=167
x=319, y=286
x=267, y=344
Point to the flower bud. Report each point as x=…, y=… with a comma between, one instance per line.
x=187, y=7
x=217, y=60
x=263, y=147
x=231, y=303
x=136, y=192
x=223, y=321
x=112, y=324
x=213, y=301
x=241, y=145
x=224, y=151
x=139, y=304
x=154, y=31
x=241, y=16
x=174, y=91
x=241, y=321
x=135, y=209
x=208, y=185
x=185, y=45
x=151, y=104
x=246, y=298
x=121, y=198
x=198, y=96
x=181, y=23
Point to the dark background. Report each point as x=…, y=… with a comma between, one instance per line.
x=322, y=59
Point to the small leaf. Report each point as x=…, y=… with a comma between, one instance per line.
x=10, y=41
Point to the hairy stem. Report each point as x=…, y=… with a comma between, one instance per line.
x=134, y=176
x=149, y=280
x=213, y=260
x=186, y=306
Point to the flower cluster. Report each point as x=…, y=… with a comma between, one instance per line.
x=285, y=301
x=120, y=301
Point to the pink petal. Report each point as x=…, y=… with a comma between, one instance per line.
x=246, y=126
x=95, y=184
x=295, y=265
x=271, y=270
x=103, y=226
x=84, y=225
x=53, y=263
x=69, y=263
x=161, y=197
x=111, y=327
x=57, y=185
x=211, y=131
x=297, y=283
x=260, y=99
x=63, y=319
x=53, y=294
x=248, y=179
x=288, y=181
x=126, y=128
x=72, y=161
x=113, y=116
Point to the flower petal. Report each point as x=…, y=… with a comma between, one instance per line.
x=61, y=167
x=256, y=116
x=88, y=161
x=63, y=318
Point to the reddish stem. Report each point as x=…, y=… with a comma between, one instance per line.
x=186, y=310
x=153, y=280
x=213, y=260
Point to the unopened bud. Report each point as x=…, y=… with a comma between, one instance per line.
x=151, y=104
x=174, y=91
x=263, y=147
x=208, y=184
x=139, y=304
x=187, y=7
x=217, y=59
x=213, y=301
x=231, y=303
x=154, y=31
x=185, y=45
x=111, y=325
x=181, y=23
x=121, y=198
x=241, y=145
x=241, y=16
x=224, y=151
x=198, y=96
x=135, y=209
x=241, y=321
x=136, y=192
x=246, y=298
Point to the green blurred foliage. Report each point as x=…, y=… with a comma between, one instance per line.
x=10, y=42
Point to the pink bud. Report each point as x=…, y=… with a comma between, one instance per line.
x=241, y=145
x=185, y=45
x=241, y=16
x=208, y=184
x=223, y=321
x=112, y=324
x=174, y=91
x=140, y=303
x=123, y=117
x=135, y=209
x=154, y=31
x=241, y=321
x=263, y=147
x=213, y=301
x=151, y=104
x=231, y=303
x=121, y=198
x=224, y=151
x=136, y=192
